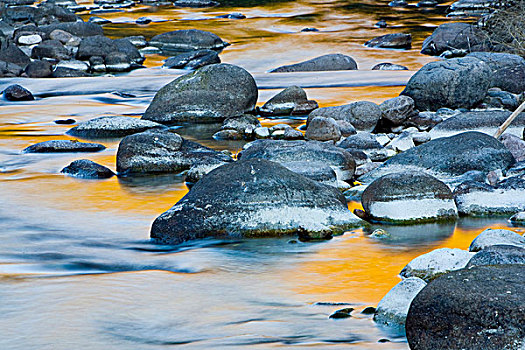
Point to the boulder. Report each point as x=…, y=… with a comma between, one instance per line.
x=392, y=310
x=391, y=41
x=455, y=36
x=254, y=198
x=388, y=66
x=63, y=72
x=79, y=29
x=17, y=93
x=479, y=308
x=9, y=70
x=449, y=157
x=436, y=263
x=51, y=49
x=210, y=94
x=187, y=40
x=498, y=255
x=192, y=59
x=87, y=169
x=507, y=70
x=363, y=141
x=10, y=53
x=363, y=115
x=408, y=197
x=302, y=151
x=112, y=126
x=160, y=151
x=39, y=69
x=454, y=83
x=398, y=109
x=290, y=101
x=515, y=145
x=62, y=146
x=316, y=171
x=328, y=62
x=491, y=237
x=323, y=129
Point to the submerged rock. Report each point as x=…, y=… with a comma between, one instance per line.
x=59, y=146
x=188, y=40
x=391, y=41
x=388, y=66
x=408, y=197
x=210, y=94
x=17, y=93
x=392, y=310
x=491, y=237
x=159, y=151
x=363, y=115
x=454, y=83
x=112, y=126
x=436, y=263
x=254, y=198
x=479, y=308
x=192, y=60
x=329, y=62
x=87, y=169
x=290, y=101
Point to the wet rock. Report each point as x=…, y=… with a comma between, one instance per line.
x=211, y=93
x=483, y=121
x=436, y=263
x=17, y=93
x=515, y=145
x=112, y=126
x=427, y=3
x=39, y=69
x=363, y=115
x=301, y=151
x=381, y=24
x=99, y=20
x=369, y=310
x=10, y=53
x=391, y=41
x=398, y=109
x=455, y=36
x=63, y=37
x=388, y=66
x=188, y=40
x=309, y=30
x=398, y=3
x=63, y=72
x=79, y=29
x=87, y=169
x=323, y=129
x=117, y=62
x=157, y=151
x=342, y=313
x=139, y=41
x=73, y=64
x=408, y=197
x=201, y=168
x=192, y=60
x=143, y=20
x=61, y=146
x=329, y=62
x=8, y=70
x=51, y=49
x=254, y=198
x=195, y=3
x=392, y=310
x=65, y=121
x=454, y=83
x=498, y=255
x=449, y=157
x=228, y=134
x=507, y=70
x=290, y=101
x=115, y=52
x=518, y=218
x=235, y=15
x=491, y=237
x=478, y=308
x=346, y=128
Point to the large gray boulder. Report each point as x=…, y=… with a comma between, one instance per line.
x=314, y=152
x=210, y=94
x=449, y=157
x=491, y=237
x=455, y=36
x=112, y=126
x=436, y=263
x=499, y=254
x=408, y=197
x=188, y=40
x=507, y=70
x=159, y=151
x=454, y=83
x=478, y=308
x=254, y=198
x=329, y=62
x=363, y=115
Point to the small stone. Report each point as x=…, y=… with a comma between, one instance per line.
x=87, y=169
x=30, y=39
x=60, y=146
x=17, y=93
x=343, y=313
x=262, y=132
x=309, y=30
x=143, y=20
x=65, y=121
x=381, y=24
x=369, y=310
x=388, y=66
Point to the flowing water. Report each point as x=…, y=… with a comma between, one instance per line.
x=77, y=270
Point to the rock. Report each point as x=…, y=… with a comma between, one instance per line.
x=60, y=146
x=241, y=124
x=392, y=310
x=228, y=134
x=39, y=69
x=292, y=134
x=515, y=145
x=306, y=30
x=201, y=168
x=65, y=121
x=117, y=62
x=427, y=3
x=301, y=151
x=195, y=3
x=518, y=218
x=73, y=64
x=498, y=255
x=115, y=52
x=491, y=237
x=211, y=93
x=99, y=20
x=143, y=20
x=365, y=168
x=499, y=100
x=17, y=93
x=261, y=132
x=479, y=308
x=80, y=29
x=388, y=66
x=483, y=121
x=61, y=35
x=363, y=115
x=436, y=263
x=158, y=151
x=421, y=137
x=346, y=128
x=254, y=198
x=188, y=40
x=290, y=101
x=342, y=313
x=449, y=157
x=329, y=62
x=408, y=197
x=8, y=70
x=398, y=3
x=363, y=141
x=381, y=24
x=391, y=41
x=29, y=39
x=51, y=49
x=112, y=126
x=323, y=129
x=87, y=169
x=139, y=41
x=455, y=36
x=193, y=59
x=507, y=70
x=401, y=143
x=63, y=72
x=10, y=53
x=316, y=171
x=398, y=109
x=454, y=83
